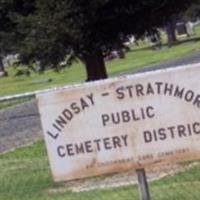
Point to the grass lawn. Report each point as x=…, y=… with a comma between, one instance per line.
x=25, y=174
x=13, y=102
x=137, y=57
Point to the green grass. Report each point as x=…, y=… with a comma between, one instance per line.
x=136, y=58
x=148, y=56
x=25, y=174
x=13, y=102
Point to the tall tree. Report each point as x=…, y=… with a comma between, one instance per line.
x=192, y=12
x=10, y=37
x=2, y=69
x=4, y=27
x=64, y=30
x=171, y=31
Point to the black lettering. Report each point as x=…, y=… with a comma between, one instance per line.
x=139, y=90
x=147, y=136
x=75, y=108
x=61, y=122
x=88, y=147
x=189, y=129
x=197, y=101
x=135, y=118
x=54, y=136
x=189, y=95
x=105, y=118
x=83, y=104
x=69, y=148
x=129, y=88
x=79, y=148
x=155, y=135
x=56, y=127
x=91, y=98
x=142, y=113
x=158, y=84
x=67, y=114
x=179, y=92
x=171, y=129
x=97, y=141
x=150, y=89
x=115, y=118
x=60, y=151
x=195, y=126
x=125, y=116
x=124, y=138
x=116, y=142
x=120, y=93
x=181, y=131
x=107, y=143
x=168, y=89
x=149, y=111
x=162, y=134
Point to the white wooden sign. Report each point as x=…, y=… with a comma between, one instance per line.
x=122, y=123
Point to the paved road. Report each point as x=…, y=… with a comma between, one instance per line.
x=21, y=125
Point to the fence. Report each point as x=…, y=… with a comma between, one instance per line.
x=25, y=172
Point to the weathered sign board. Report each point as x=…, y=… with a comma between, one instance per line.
x=122, y=123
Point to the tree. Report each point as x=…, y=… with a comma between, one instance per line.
x=171, y=31
x=64, y=30
x=9, y=34
x=192, y=12
x=4, y=27
x=2, y=69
